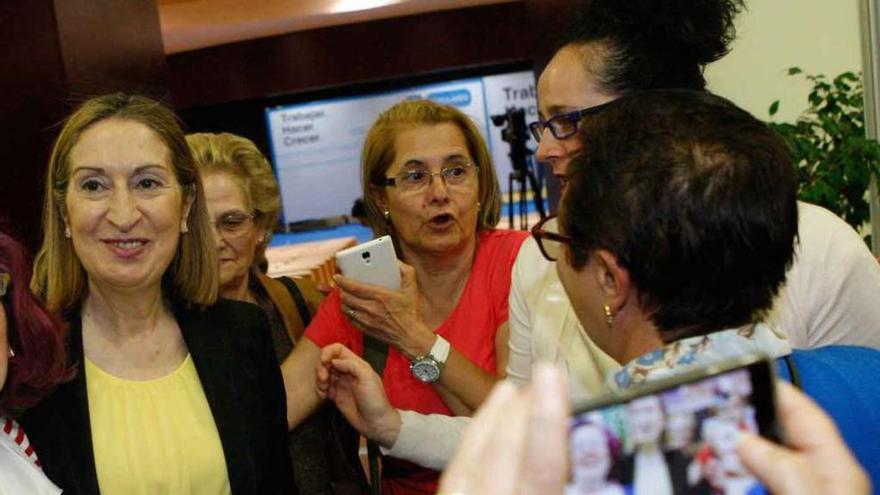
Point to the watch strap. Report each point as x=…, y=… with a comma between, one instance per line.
x=440, y=350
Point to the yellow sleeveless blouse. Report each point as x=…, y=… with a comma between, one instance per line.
x=154, y=436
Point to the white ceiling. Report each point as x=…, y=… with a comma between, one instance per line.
x=192, y=24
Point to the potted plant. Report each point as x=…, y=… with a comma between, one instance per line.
x=834, y=158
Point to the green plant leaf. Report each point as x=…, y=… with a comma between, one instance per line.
x=833, y=159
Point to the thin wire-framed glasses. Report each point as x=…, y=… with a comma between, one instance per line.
x=235, y=223
x=564, y=125
x=550, y=241
x=414, y=180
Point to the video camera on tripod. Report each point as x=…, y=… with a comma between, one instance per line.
x=515, y=133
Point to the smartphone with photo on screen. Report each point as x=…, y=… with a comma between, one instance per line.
x=373, y=262
x=675, y=436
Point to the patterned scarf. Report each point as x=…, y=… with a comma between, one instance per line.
x=693, y=352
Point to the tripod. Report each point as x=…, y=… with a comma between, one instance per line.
x=516, y=135
x=524, y=175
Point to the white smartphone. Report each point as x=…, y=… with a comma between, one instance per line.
x=373, y=262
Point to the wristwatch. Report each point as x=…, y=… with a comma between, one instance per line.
x=426, y=369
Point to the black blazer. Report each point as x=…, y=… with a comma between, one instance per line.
x=232, y=352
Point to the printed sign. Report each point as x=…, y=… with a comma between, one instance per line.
x=316, y=146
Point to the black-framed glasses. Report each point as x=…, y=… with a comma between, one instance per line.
x=418, y=179
x=234, y=223
x=550, y=241
x=564, y=125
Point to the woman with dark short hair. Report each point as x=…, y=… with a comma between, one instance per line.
x=674, y=238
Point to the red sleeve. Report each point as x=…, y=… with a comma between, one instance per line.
x=330, y=326
x=503, y=260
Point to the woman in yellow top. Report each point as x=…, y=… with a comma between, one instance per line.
x=177, y=392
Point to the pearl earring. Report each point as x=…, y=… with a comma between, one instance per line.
x=183, y=227
x=609, y=316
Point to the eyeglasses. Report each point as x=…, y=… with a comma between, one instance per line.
x=564, y=125
x=234, y=224
x=550, y=241
x=417, y=180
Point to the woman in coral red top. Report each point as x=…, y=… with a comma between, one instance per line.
x=429, y=183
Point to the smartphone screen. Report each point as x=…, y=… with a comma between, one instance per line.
x=681, y=439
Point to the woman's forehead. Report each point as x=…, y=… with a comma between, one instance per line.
x=430, y=144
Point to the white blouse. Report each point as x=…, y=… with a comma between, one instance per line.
x=20, y=473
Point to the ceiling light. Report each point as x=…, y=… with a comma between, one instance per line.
x=353, y=5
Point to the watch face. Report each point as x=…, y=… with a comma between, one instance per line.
x=426, y=370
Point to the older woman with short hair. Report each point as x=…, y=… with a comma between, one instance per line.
x=428, y=182
x=673, y=241
x=176, y=391
x=243, y=202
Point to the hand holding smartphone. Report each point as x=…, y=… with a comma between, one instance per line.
x=678, y=436
x=373, y=262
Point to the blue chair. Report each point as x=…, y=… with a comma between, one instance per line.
x=845, y=381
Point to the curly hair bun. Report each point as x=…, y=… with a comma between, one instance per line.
x=648, y=37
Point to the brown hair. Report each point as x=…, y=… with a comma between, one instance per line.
x=239, y=156
x=59, y=277
x=378, y=153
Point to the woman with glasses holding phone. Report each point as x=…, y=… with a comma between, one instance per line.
x=244, y=205
x=428, y=182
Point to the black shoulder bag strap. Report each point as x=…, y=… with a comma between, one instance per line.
x=792, y=371
x=375, y=353
x=299, y=300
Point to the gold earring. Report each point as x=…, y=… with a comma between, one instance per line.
x=183, y=227
x=609, y=316
x=67, y=231
x=387, y=215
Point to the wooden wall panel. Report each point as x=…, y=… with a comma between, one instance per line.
x=54, y=54
x=347, y=54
